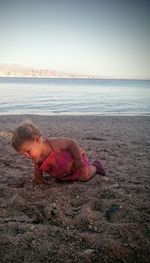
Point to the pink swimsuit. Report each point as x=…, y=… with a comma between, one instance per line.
x=61, y=165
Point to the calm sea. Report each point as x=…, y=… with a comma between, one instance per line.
x=74, y=96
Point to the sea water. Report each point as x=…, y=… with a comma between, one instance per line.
x=74, y=96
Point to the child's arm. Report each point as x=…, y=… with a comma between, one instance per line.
x=70, y=145
x=38, y=175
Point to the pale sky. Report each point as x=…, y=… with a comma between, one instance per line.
x=107, y=38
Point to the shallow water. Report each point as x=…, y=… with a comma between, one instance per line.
x=74, y=96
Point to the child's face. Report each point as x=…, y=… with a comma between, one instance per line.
x=32, y=149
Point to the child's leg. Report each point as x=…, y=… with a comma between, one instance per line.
x=91, y=173
x=96, y=167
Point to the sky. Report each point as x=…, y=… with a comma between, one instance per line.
x=105, y=38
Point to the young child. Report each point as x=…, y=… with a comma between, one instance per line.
x=62, y=158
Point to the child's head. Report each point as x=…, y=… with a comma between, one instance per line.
x=27, y=140
x=26, y=131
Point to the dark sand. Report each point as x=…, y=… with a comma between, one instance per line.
x=103, y=220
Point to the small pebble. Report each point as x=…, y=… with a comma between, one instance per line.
x=89, y=251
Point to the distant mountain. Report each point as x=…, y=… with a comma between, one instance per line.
x=13, y=70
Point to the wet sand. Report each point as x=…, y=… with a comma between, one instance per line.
x=103, y=220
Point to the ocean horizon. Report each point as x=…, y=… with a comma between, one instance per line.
x=71, y=96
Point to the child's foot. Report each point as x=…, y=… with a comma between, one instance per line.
x=99, y=168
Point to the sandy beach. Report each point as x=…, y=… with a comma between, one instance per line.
x=103, y=220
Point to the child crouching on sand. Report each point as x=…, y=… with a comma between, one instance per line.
x=62, y=158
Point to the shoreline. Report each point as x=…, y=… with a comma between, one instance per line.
x=75, y=78
x=77, y=115
x=105, y=219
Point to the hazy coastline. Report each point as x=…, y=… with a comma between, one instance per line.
x=21, y=71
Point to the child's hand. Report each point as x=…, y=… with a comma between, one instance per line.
x=38, y=180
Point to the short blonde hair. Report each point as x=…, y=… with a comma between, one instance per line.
x=26, y=131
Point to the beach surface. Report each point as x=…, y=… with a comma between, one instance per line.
x=103, y=220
